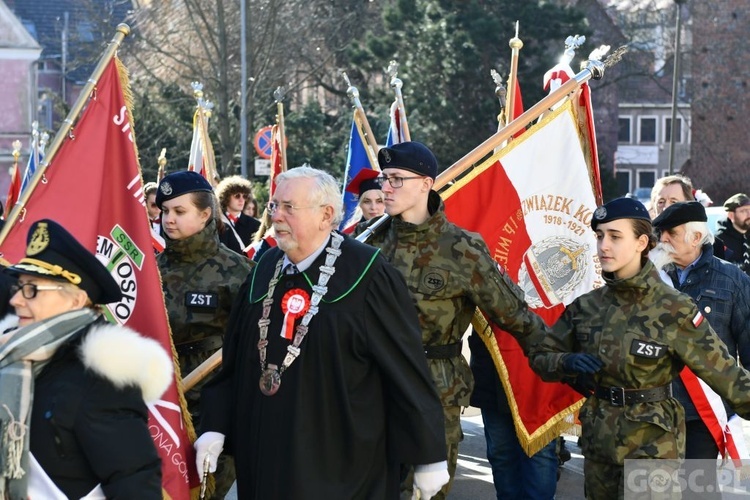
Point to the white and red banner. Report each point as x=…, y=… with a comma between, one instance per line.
x=277, y=152
x=202, y=159
x=532, y=203
x=94, y=189
x=727, y=432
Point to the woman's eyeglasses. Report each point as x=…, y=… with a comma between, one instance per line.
x=29, y=290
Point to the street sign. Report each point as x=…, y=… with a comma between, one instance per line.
x=262, y=167
x=263, y=144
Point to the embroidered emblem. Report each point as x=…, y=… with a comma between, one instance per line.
x=39, y=240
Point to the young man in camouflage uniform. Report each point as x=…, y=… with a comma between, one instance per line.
x=634, y=336
x=450, y=273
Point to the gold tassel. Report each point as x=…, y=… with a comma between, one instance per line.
x=122, y=72
x=561, y=423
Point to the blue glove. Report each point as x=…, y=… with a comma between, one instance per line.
x=581, y=362
x=583, y=384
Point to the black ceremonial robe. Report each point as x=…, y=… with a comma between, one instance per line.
x=356, y=402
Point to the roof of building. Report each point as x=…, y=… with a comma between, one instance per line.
x=90, y=25
x=13, y=35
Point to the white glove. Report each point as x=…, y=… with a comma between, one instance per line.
x=429, y=478
x=211, y=444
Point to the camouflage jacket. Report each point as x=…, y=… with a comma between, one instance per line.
x=450, y=272
x=200, y=279
x=645, y=332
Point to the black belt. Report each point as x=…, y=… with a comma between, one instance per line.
x=443, y=351
x=619, y=396
x=205, y=344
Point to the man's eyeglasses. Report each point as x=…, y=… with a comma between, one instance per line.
x=395, y=181
x=29, y=290
x=240, y=195
x=286, y=208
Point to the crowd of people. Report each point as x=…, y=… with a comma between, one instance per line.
x=342, y=372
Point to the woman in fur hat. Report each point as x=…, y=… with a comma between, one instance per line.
x=73, y=388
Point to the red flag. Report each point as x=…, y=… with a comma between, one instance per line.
x=532, y=203
x=14, y=189
x=276, y=157
x=94, y=189
x=517, y=107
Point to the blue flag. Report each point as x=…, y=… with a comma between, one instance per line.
x=34, y=159
x=356, y=160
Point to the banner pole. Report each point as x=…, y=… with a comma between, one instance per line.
x=593, y=69
x=66, y=129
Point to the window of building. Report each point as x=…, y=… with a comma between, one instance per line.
x=85, y=31
x=45, y=110
x=623, y=182
x=647, y=130
x=623, y=134
x=646, y=178
x=668, y=130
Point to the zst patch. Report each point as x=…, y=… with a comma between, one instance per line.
x=204, y=300
x=433, y=280
x=651, y=350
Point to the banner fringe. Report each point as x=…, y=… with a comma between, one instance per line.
x=561, y=423
x=127, y=93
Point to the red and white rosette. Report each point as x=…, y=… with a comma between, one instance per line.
x=294, y=304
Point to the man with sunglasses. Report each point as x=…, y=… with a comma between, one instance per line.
x=449, y=272
x=233, y=192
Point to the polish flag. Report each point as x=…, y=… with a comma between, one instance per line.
x=532, y=202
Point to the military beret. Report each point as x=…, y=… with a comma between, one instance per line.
x=364, y=181
x=680, y=213
x=53, y=253
x=179, y=183
x=736, y=201
x=620, y=208
x=412, y=156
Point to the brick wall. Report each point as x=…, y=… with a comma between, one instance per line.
x=720, y=153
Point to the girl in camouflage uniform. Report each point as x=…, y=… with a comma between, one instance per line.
x=200, y=278
x=631, y=338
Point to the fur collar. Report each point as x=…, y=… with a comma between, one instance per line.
x=125, y=357
x=122, y=356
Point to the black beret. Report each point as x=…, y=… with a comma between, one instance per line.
x=736, y=201
x=680, y=213
x=412, y=156
x=620, y=208
x=179, y=183
x=364, y=181
x=53, y=253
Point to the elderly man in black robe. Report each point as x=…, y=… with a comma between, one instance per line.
x=324, y=388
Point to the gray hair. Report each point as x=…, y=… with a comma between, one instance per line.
x=325, y=192
x=701, y=227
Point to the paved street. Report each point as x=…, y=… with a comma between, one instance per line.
x=474, y=477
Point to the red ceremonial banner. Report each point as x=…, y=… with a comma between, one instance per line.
x=94, y=189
